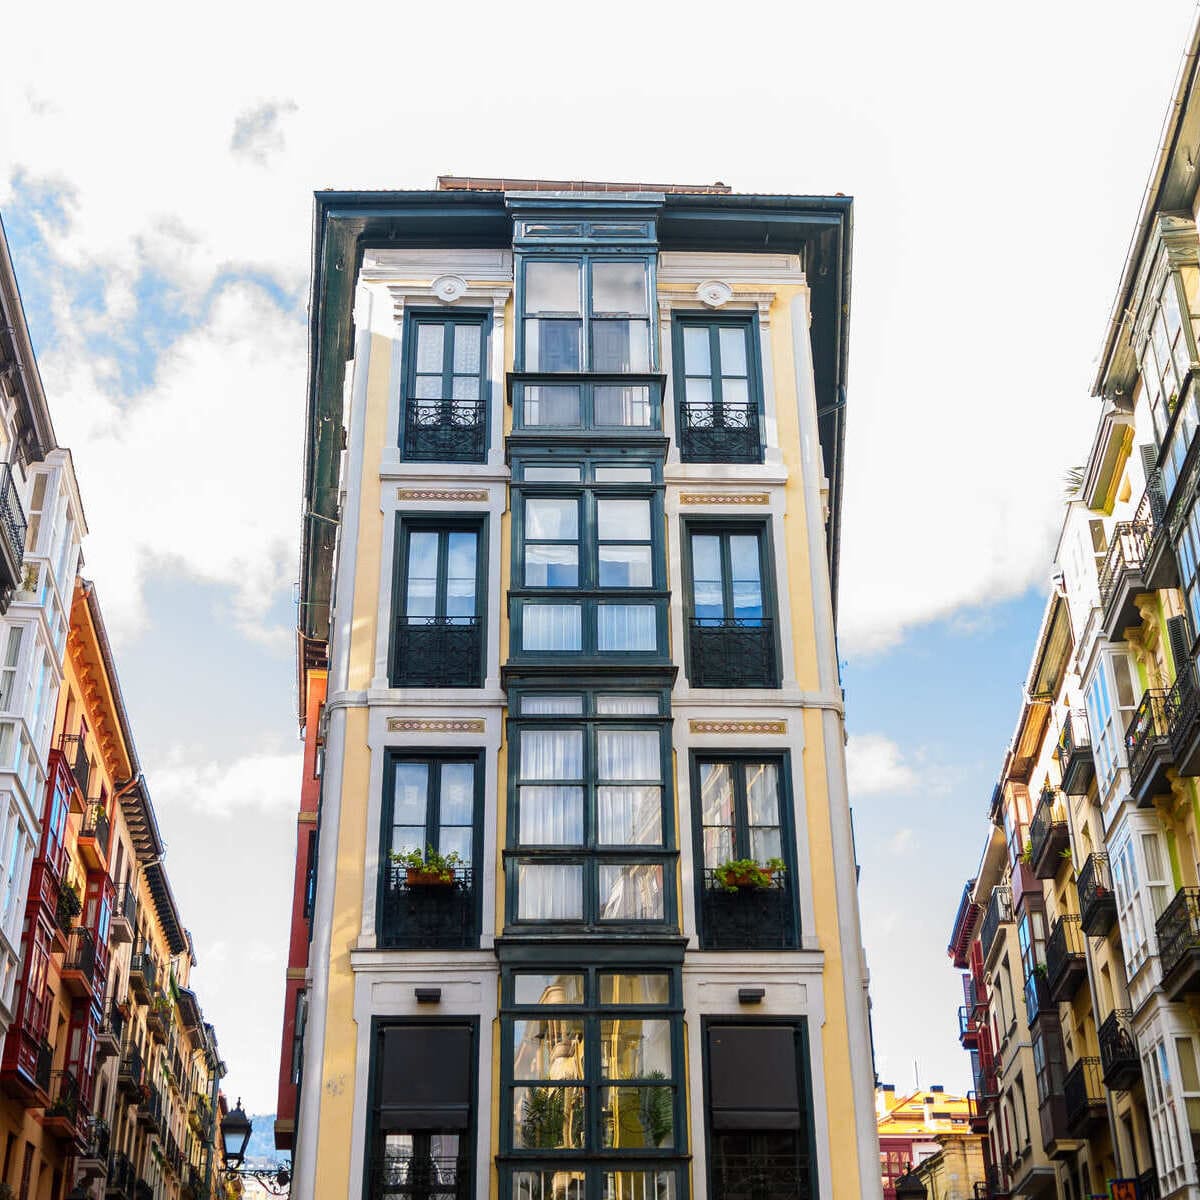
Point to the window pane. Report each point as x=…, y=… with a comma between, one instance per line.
x=622, y=475
x=409, y=792
x=629, y=816
x=548, y=1049
x=635, y=1048
x=628, y=754
x=421, y=597
x=468, y=339
x=458, y=793
x=627, y=520
x=552, y=345
x=698, y=391
x=765, y=844
x=696, y=359
x=614, y=705
x=558, y=1184
x=706, y=575
x=733, y=350
x=551, y=287
x=465, y=387
x=551, y=754
x=455, y=839
x=407, y=838
x=550, y=892
x=625, y=566
x=566, y=474
x=551, y=816
x=549, y=1118
x=551, y=406
x=762, y=793
x=619, y=287
x=636, y=1118
x=529, y=988
x=747, y=581
x=551, y=627
x=716, y=794
x=635, y=989
x=552, y=520
x=429, y=387
x=626, y=406
x=551, y=566
x=736, y=394
x=460, y=574
x=637, y=1185
x=546, y=706
x=626, y=627
x=1188, y=1074
x=631, y=892
x=620, y=345
x=429, y=348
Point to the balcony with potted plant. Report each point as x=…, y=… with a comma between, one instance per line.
x=747, y=905
x=1075, y=754
x=428, y=901
x=1048, y=834
x=1097, y=903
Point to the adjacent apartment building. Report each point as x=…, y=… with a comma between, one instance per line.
x=575, y=907
x=1080, y=932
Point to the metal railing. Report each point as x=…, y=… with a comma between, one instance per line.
x=75, y=752
x=732, y=652
x=1118, y=1049
x=1182, y=708
x=1075, y=734
x=45, y=1060
x=12, y=518
x=1064, y=952
x=121, y=1177
x=1147, y=732
x=433, y=1177
x=749, y=918
x=1178, y=929
x=144, y=970
x=1083, y=1093
x=999, y=912
x=1048, y=828
x=1097, y=904
x=1126, y=552
x=131, y=1071
x=722, y=433
x=438, y=652
x=125, y=904
x=96, y=824
x=1037, y=995
x=445, y=430
x=65, y=1100
x=81, y=954
x=753, y=1176
x=437, y=916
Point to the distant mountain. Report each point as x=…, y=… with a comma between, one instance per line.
x=261, y=1146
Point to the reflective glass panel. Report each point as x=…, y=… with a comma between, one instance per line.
x=551, y=287
x=637, y=1118
x=619, y=287
x=548, y=1049
x=631, y=892
x=530, y=988
x=549, y=1118
x=635, y=989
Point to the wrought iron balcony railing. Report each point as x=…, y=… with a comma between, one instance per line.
x=720, y=433
x=999, y=912
x=1118, y=1050
x=1066, y=965
x=997, y=1182
x=96, y=824
x=143, y=971
x=81, y=954
x=435, y=1177
x=65, y=1099
x=1183, y=717
x=1147, y=737
x=1083, y=1092
x=1048, y=835
x=748, y=918
x=114, y=1022
x=1037, y=995
x=45, y=1060
x=438, y=652
x=121, y=1177
x=74, y=751
x=1075, y=754
x=1126, y=551
x=130, y=1072
x=436, y=916
x=13, y=525
x=125, y=904
x=758, y=1177
x=1097, y=903
x=1178, y=932
x=1147, y=1185
x=445, y=430
x=733, y=652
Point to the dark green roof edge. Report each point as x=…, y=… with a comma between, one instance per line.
x=347, y=222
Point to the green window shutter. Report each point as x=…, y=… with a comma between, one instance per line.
x=1154, y=485
x=1180, y=638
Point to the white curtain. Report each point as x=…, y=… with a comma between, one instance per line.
x=627, y=705
x=626, y=627
x=550, y=892
x=551, y=706
x=553, y=754
x=627, y=754
x=551, y=627
x=629, y=816
x=551, y=816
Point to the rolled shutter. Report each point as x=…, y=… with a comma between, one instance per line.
x=1154, y=483
x=424, y=1077
x=1180, y=638
x=754, y=1078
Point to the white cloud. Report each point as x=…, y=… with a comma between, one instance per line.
x=268, y=783
x=876, y=765
x=257, y=133
x=903, y=841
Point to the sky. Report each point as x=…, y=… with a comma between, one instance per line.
x=156, y=180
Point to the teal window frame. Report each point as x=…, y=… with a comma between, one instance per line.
x=587, y=384
x=589, y=854
x=413, y=320
x=714, y=323
x=587, y=595
x=406, y=525
x=592, y=1160
x=586, y=256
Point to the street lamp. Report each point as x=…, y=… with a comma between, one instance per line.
x=235, y=1135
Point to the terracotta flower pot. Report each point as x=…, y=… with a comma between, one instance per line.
x=419, y=877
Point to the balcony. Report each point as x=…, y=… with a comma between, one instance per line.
x=158, y=1017
x=94, y=1156
x=761, y=1176
x=435, y=916
x=1148, y=744
x=968, y=1030
x=1049, y=840
x=121, y=1178
x=1097, y=904
x=75, y=754
x=999, y=912
x=1121, y=578
x=143, y=1191
x=1118, y=1051
x=996, y=1183
x=65, y=1116
x=79, y=965
x=150, y=1111
x=124, y=915
x=735, y=652
x=1052, y=1117
x=1075, y=754
x=1183, y=720
x=94, y=835
x=1083, y=1091
x=1066, y=964
x=438, y=652
x=719, y=433
x=1147, y=1185
x=445, y=431
x=13, y=528
x=747, y=918
x=143, y=975
x=111, y=1033
x=1038, y=1001
x=130, y=1073
x=1178, y=932
x=441, y=1176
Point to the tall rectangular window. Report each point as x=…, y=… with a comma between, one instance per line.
x=438, y=639
x=431, y=813
x=731, y=636
x=586, y=314
x=1108, y=720
x=747, y=900
x=718, y=389
x=445, y=409
x=589, y=818
x=759, y=1111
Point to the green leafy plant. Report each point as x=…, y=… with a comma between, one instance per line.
x=658, y=1116
x=543, y=1117
x=1027, y=854
x=6, y=1192
x=1065, y=855
x=430, y=863
x=736, y=873
x=69, y=907
x=1039, y=969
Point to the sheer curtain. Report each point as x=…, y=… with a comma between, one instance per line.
x=550, y=892
x=551, y=627
x=626, y=627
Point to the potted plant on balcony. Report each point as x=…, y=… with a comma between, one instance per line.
x=745, y=874
x=69, y=907
x=428, y=869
